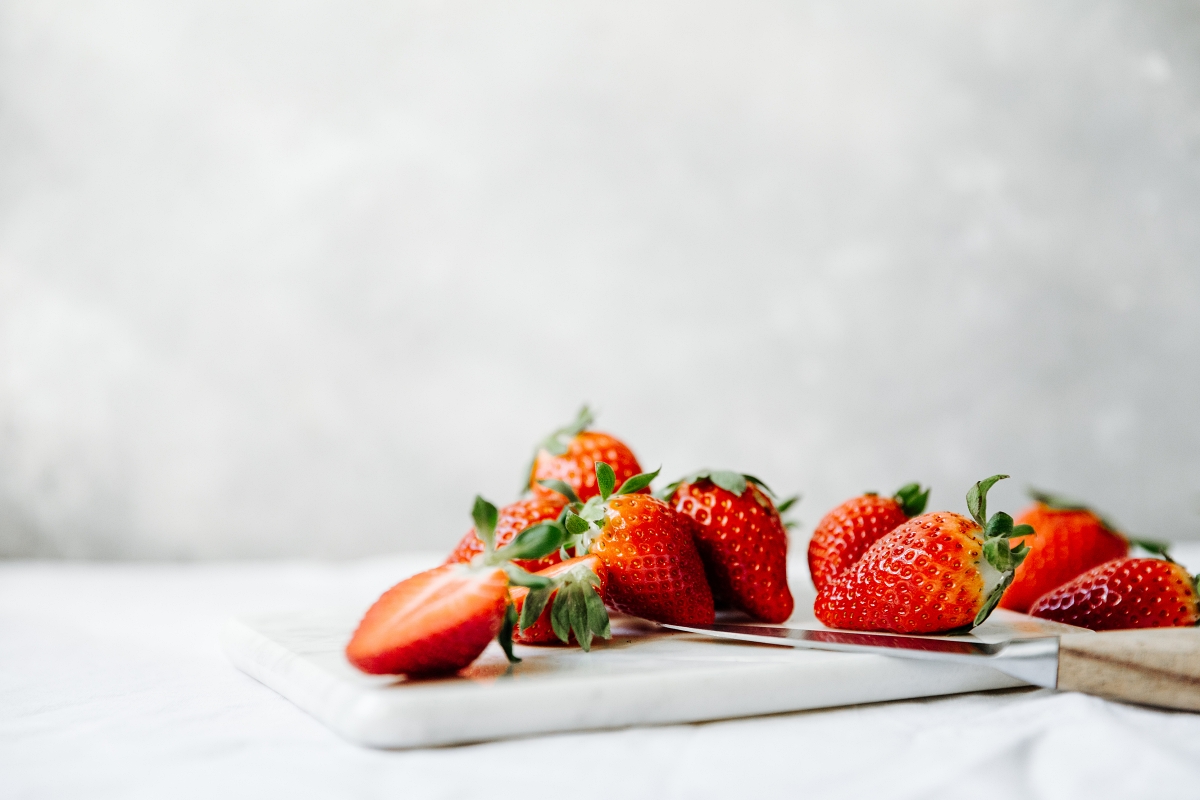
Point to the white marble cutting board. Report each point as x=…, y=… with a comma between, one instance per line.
x=643, y=676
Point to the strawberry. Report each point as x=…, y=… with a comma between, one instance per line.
x=440, y=620
x=435, y=622
x=570, y=455
x=741, y=540
x=531, y=509
x=654, y=570
x=569, y=612
x=844, y=534
x=1125, y=593
x=1070, y=540
x=935, y=573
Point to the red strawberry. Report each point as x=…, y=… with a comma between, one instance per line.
x=935, y=573
x=570, y=455
x=569, y=612
x=845, y=533
x=1125, y=593
x=440, y=620
x=1070, y=540
x=531, y=509
x=435, y=622
x=741, y=540
x=654, y=570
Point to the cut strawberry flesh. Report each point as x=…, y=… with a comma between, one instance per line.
x=435, y=622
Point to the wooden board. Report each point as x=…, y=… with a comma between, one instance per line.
x=643, y=676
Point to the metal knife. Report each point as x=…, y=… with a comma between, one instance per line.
x=1159, y=667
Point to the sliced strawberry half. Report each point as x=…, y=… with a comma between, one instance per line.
x=436, y=622
x=440, y=620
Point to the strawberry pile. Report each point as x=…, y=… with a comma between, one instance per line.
x=879, y=564
x=586, y=536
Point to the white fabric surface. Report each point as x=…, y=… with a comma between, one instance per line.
x=112, y=684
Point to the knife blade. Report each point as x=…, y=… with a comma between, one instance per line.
x=1159, y=667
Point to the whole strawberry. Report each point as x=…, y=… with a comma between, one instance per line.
x=1125, y=593
x=654, y=570
x=571, y=611
x=534, y=507
x=440, y=620
x=935, y=573
x=845, y=533
x=570, y=455
x=741, y=540
x=1070, y=540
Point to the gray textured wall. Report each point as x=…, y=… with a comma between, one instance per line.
x=300, y=278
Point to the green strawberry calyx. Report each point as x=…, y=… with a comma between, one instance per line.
x=732, y=482
x=1057, y=502
x=575, y=607
x=912, y=499
x=736, y=483
x=536, y=541
x=584, y=521
x=558, y=441
x=997, y=550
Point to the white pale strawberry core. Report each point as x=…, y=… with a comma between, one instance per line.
x=991, y=577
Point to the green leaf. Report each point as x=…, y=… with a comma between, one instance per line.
x=998, y=554
x=557, y=442
x=597, y=614
x=578, y=610
x=536, y=541
x=667, y=491
x=977, y=498
x=505, y=634
x=605, y=479
x=1056, y=501
x=1000, y=524
x=759, y=483
x=1154, y=547
x=1059, y=503
x=1018, y=553
x=593, y=512
x=786, y=505
x=535, y=603
x=732, y=482
x=637, y=482
x=992, y=601
x=1021, y=531
x=562, y=487
x=560, y=618
x=577, y=525
x=520, y=577
x=912, y=500
x=485, y=516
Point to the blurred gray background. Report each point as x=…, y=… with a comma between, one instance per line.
x=301, y=278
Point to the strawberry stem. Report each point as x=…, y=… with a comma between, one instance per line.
x=606, y=479
x=638, y=482
x=562, y=487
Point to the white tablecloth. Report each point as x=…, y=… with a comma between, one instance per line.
x=112, y=684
